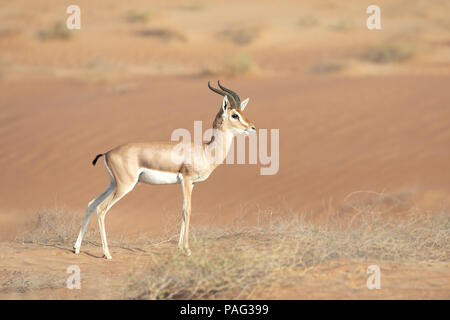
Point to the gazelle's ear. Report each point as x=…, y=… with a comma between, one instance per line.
x=225, y=103
x=244, y=104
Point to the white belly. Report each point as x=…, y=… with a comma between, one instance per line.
x=201, y=178
x=151, y=176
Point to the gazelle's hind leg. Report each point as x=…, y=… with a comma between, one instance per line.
x=183, y=224
x=92, y=206
x=186, y=186
x=120, y=191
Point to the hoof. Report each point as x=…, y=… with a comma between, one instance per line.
x=186, y=251
x=76, y=251
x=107, y=256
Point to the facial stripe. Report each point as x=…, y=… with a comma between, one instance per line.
x=242, y=119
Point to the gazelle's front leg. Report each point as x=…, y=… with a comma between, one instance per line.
x=181, y=238
x=187, y=186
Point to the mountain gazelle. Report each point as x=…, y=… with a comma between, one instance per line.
x=168, y=163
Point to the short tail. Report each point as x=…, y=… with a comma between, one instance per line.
x=96, y=158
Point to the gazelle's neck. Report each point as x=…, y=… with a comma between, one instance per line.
x=219, y=145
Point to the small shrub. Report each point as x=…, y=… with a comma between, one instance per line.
x=136, y=16
x=342, y=25
x=241, y=35
x=164, y=34
x=196, y=5
x=307, y=22
x=57, y=31
x=234, y=65
x=20, y=282
x=389, y=53
x=327, y=67
x=55, y=227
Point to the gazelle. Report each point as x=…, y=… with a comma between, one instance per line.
x=167, y=163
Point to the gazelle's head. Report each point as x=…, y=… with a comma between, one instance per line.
x=231, y=116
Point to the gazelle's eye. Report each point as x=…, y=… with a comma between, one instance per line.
x=235, y=116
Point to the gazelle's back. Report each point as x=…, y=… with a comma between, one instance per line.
x=160, y=156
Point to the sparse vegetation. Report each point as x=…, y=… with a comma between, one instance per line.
x=306, y=22
x=242, y=260
x=100, y=69
x=102, y=64
x=138, y=16
x=56, y=31
x=328, y=67
x=164, y=34
x=55, y=227
x=342, y=25
x=237, y=65
x=389, y=53
x=20, y=282
x=232, y=66
x=241, y=34
x=58, y=227
x=236, y=262
x=194, y=5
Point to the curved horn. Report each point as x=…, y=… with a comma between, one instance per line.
x=231, y=92
x=216, y=90
x=231, y=98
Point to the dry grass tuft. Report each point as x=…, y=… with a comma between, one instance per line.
x=138, y=16
x=237, y=65
x=242, y=34
x=100, y=69
x=193, y=5
x=307, y=22
x=20, y=282
x=234, y=65
x=328, y=67
x=55, y=227
x=164, y=34
x=235, y=263
x=56, y=31
x=343, y=25
x=58, y=227
x=389, y=53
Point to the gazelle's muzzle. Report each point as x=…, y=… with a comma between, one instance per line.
x=250, y=129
